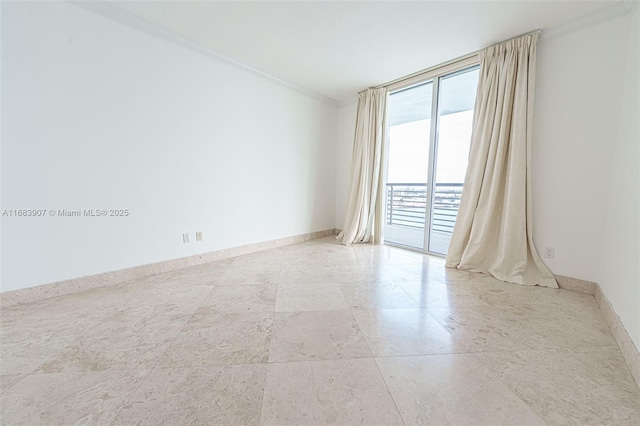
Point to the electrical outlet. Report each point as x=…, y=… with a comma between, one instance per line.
x=549, y=252
x=199, y=236
x=185, y=238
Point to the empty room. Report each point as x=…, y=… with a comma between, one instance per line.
x=319, y=212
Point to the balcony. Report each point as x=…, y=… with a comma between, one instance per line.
x=405, y=216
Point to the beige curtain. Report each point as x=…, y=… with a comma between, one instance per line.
x=365, y=210
x=493, y=230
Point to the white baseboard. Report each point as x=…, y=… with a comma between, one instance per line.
x=75, y=285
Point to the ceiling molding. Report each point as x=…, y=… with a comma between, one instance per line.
x=590, y=19
x=131, y=20
x=349, y=101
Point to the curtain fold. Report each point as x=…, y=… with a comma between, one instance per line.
x=365, y=210
x=493, y=229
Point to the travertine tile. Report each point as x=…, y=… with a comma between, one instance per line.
x=340, y=392
x=370, y=275
x=164, y=300
x=27, y=344
x=485, y=328
x=480, y=289
x=217, y=339
x=119, y=343
x=452, y=274
x=244, y=275
x=301, y=336
x=254, y=267
x=380, y=295
x=218, y=395
x=404, y=273
x=8, y=380
x=90, y=304
x=44, y=329
x=432, y=294
x=504, y=294
x=267, y=258
x=208, y=336
x=172, y=281
x=295, y=259
x=312, y=273
x=244, y=298
x=393, y=332
x=491, y=328
x=202, y=274
x=452, y=389
x=337, y=271
x=577, y=386
x=294, y=297
x=69, y=398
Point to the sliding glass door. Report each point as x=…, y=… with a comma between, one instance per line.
x=429, y=134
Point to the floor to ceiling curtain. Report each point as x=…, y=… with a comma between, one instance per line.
x=493, y=230
x=365, y=211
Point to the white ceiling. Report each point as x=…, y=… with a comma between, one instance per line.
x=337, y=48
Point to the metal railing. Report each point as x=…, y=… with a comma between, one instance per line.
x=406, y=204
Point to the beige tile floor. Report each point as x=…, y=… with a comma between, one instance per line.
x=314, y=333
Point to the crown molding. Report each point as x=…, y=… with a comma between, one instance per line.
x=614, y=11
x=131, y=20
x=353, y=99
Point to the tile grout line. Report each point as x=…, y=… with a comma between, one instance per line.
x=266, y=369
x=118, y=411
x=35, y=371
x=375, y=362
x=496, y=377
x=24, y=376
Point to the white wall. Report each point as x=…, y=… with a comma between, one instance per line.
x=578, y=90
x=98, y=115
x=620, y=274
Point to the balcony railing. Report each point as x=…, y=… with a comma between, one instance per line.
x=406, y=204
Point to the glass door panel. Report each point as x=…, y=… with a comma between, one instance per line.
x=409, y=116
x=456, y=99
